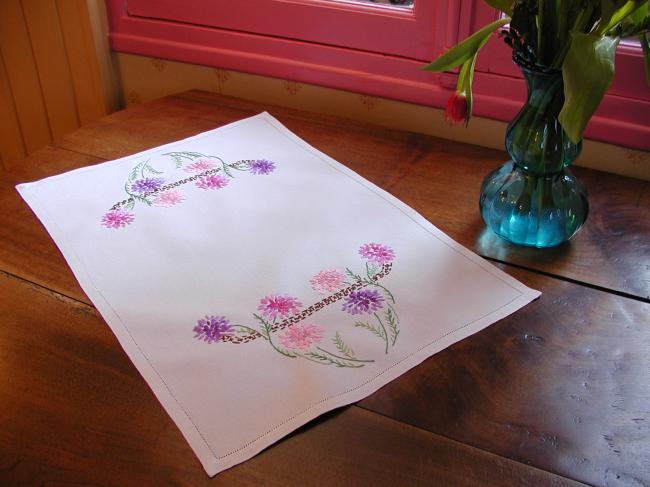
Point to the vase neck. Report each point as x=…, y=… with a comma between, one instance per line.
x=535, y=139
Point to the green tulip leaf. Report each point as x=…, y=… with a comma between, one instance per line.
x=464, y=84
x=608, y=7
x=588, y=70
x=504, y=5
x=466, y=49
x=646, y=55
x=621, y=12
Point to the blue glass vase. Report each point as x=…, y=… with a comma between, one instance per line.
x=534, y=199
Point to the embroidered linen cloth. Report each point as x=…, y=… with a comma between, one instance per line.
x=256, y=283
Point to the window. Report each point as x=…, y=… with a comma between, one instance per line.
x=369, y=46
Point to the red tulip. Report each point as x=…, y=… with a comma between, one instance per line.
x=457, y=109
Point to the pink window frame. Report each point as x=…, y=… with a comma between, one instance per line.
x=197, y=34
x=386, y=30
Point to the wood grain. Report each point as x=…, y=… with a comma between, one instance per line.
x=82, y=59
x=27, y=250
x=563, y=384
x=51, y=59
x=23, y=76
x=12, y=147
x=75, y=410
x=439, y=178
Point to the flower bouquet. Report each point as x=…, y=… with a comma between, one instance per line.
x=565, y=49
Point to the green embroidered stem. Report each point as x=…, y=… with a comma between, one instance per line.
x=393, y=322
x=383, y=328
x=343, y=358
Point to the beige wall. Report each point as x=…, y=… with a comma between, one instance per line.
x=145, y=78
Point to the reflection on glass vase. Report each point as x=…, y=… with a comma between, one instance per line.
x=534, y=199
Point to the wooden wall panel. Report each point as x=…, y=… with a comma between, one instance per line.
x=12, y=147
x=50, y=76
x=82, y=57
x=52, y=63
x=20, y=65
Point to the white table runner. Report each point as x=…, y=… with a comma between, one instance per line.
x=257, y=283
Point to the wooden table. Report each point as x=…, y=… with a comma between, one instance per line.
x=556, y=394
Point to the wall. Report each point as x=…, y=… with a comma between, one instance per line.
x=56, y=72
x=145, y=78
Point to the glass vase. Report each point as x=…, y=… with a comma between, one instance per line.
x=534, y=199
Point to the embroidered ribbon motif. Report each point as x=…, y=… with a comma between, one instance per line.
x=297, y=318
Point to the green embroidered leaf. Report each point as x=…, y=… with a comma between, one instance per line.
x=285, y=352
x=135, y=172
x=463, y=51
x=342, y=347
x=227, y=171
x=246, y=329
x=588, y=70
x=326, y=359
x=151, y=169
x=392, y=322
x=371, y=328
x=130, y=204
x=352, y=275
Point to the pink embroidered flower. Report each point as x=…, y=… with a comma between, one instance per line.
x=377, y=253
x=327, y=281
x=117, y=219
x=212, y=328
x=301, y=336
x=168, y=198
x=213, y=182
x=275, y=305
x=200, y=165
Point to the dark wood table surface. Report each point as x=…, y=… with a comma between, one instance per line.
x=556, y=394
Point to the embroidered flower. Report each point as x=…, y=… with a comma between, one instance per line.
x=377, y=253
x=327, y=281
x=146, y=185
x=168, y=198
x=213, y=182
x=261, y=166
x=364, y=301
x=200, y=165
x=117, y=219
x=275, y=305
x=301, y=336
x=212, y=328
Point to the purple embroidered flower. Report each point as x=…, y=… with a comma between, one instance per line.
x=168, y=198
x=212, y=328
x=364, y=301
x=327, y=281
x=146, y=185
x=261, y=166
x=275, y=305
x=377, y=253
x=213, y=182
x=117, y=219
x=200, y=165
x=301, y=336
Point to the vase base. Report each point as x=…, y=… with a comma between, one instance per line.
x=533, y=210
